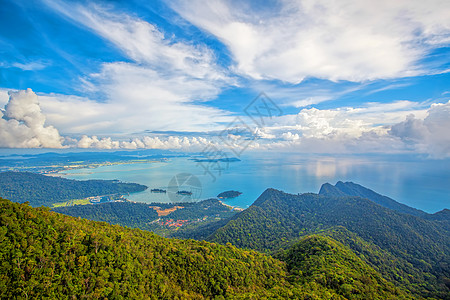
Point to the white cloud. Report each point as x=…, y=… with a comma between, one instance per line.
x=409, y=130
x=261, y=133
x=144, y=43
x=30, y=66
x=429, y=135
x=338, y=40
x=130, y=111
x=343, y=130
x=289, y=136
x=320, y=123
x=309, y=101
x=146, y=142
x=164, y=86
x=22, y=124
x=359, y=130
x=4, y=97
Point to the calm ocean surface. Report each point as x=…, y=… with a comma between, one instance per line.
x=423, y=184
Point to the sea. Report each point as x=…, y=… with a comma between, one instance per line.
x=419, y=182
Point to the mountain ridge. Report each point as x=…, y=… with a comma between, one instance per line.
x=276, y=219
x=352, y=189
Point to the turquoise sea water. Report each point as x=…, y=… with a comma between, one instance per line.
x=420, y=183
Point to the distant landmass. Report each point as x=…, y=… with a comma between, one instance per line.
x=214, y=160
x=52, y=162
x=44, y=190
x=229, y=194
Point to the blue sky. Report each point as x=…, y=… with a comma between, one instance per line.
x=349, y=76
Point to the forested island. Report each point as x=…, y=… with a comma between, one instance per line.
x=229, y=194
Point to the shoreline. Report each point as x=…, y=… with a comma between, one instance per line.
x=232, y=207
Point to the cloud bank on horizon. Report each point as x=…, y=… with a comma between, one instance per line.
x=349, y=76
x=319, y=131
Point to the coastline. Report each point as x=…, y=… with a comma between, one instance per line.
x=230, y=206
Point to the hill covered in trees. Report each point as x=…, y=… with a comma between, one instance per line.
x=412, y=251
x=342, y=189
x=44, y=190
x=49, y=255
x=162, y=218
x=320, y=260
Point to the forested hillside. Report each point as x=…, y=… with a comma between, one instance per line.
x=342, y=189
x=135, y=215
x=145, y=216
x=419, y=248
x=44, y=190
x=321, y=260
x=353, y=189
x=49, y=255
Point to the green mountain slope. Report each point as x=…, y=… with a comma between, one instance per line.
x=44, y=190
x=353, y=189
x=187, y=216
x=420, y=248
x=49, y=255
x=320, y=260
x=342, y=189
x=45, y=254
x=117, y=213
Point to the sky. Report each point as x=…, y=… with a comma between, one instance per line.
x=310, y=76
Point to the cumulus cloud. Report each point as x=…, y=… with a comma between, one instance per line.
x=22, y=124
x=372, y=128
x=343, y=130
x=146, y=142
x=337, y=40
x=411, y=129
x=429, y=135
x=289, y=136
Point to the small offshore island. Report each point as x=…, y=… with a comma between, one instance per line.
x=229, y=194
x=184, y=193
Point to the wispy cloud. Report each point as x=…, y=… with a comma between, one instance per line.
x=338, y=40
x=30, y=66
x=164, y=84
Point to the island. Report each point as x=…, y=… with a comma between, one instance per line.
x=228, y=194
x=158, y=191
x=186, y=193
x=216, y=160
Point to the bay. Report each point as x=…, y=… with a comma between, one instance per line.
x=417, y=182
